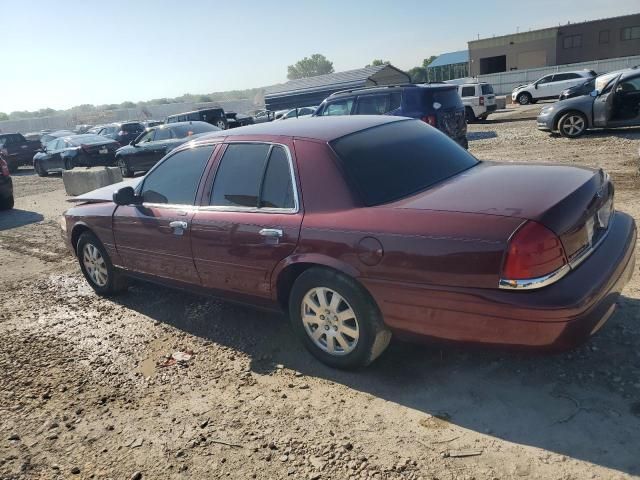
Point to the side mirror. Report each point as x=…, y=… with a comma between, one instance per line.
x=594, y=93
x=133, y=143
x=535, y=85
x=125, y=196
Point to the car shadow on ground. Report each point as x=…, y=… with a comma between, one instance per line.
x=471, y=136
x=23, y=172
x=582, y=404
x=18, y=218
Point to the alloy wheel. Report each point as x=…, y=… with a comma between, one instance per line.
x=330, y=321
x=573, y=125
x=220, y=124
x=95, y=265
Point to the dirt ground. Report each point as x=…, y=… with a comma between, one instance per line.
x=86, y=391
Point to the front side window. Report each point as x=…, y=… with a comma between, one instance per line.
x=398, y=159
x=547, y=79
x=175, y=181
x=340, y=107
x=162, y=134
x=253, y=175
x=147, y=137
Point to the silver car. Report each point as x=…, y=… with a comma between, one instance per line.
x=615, y=102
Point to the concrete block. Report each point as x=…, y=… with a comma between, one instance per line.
x=501, y=102
x=83, y=180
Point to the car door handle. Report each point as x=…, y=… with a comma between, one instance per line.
x=178, y=224
x=271, y=232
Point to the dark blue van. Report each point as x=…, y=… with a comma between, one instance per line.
x=437, y=104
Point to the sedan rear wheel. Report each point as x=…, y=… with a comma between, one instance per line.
x=97, y=267
x=337, y=319
x=40, y=170
x=221, y=125
x=572, y=125
x=124, y=168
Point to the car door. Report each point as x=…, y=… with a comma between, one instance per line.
x=137, y=156
x=603, y=104
x=53, y=159
x=250, y=221
x=164, y=138
x=154, y=237
x=544, y=87
x=626, y=104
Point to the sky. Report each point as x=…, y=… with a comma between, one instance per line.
x=61, y=53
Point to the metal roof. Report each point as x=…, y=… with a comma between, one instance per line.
x=451, y=58
x=338, y=80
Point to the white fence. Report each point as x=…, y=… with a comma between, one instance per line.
x=158, y=112
x=503, y=83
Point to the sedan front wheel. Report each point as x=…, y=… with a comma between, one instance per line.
x=572, y=125
x=97, y=268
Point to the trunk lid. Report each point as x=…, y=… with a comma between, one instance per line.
x=574, y=202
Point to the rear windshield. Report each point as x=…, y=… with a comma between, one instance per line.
x=487, y=89
x=132, y=127
x=448, y=98
x=399, y=159
x=193, y=129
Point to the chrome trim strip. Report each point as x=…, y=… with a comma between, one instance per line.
x=534, y=283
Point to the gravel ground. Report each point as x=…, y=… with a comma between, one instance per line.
x=87, y=390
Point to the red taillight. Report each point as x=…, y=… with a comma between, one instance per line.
x=481, y=101
x=430, y=119
x=534, y=251
x=4, y=168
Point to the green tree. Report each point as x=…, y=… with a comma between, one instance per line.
x=312, y=66
x=3, y=116
x=418, y=75
x=378, y=62
x=127, y=104
x=427, y=61
x=205, y=98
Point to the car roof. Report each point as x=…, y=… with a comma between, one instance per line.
x=317, y=128
x=388, y=88
x=177, y=124
x=195, y=111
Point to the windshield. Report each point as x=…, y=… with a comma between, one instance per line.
x=603, y=80
x=399, y=159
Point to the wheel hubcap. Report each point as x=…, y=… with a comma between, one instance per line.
x=95, y=265
x=573, y=125
x=330, y=321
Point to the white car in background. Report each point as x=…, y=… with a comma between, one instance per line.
x=478, y=100
x=549, y=86
x=298, y=112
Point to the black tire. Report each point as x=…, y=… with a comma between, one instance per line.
x=221, y=125
x=572, y=125
x=39, y=170
x=7, y=203
x=68, y=164
x=373, y=335
x=115, y=281
x=12, y=166
x=524, y=98
x=124, y=168
x=468, y=112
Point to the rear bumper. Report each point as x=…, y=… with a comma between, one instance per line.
x=6, y=187
x=559, y=316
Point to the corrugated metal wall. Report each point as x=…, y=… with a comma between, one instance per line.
x=503, y=83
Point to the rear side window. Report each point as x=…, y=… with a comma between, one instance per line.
x=487, y=89
x=193, y=129
x=468, y=91
x=378, y=104
x=339, y=107
x=253, y=176
x=175, y=181
x=399, y=159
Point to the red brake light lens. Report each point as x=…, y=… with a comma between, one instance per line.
x=430, y=119
x=481, y=101
x=534, y=251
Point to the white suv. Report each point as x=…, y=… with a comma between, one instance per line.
x=549, y=86
x=478, y=99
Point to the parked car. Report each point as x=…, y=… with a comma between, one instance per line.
x=234, y=120
x=478, y=100
x=17, y=150
x=47, y=137
x=299, y=112
x=407, y=234
x=95, y=129
x=145, y=151
x=263, y=116
x=437, y=104
x=123, y=133
x=278, y=114
x=584, y=88
x=6, y=186
x=214, y=116
x=80, y=129
x=550, y=86
x=615, y=102
x=33, y=136
x=64, y=153
x=152, y=123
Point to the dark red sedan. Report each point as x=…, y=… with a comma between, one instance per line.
x=363, y=227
